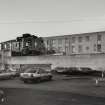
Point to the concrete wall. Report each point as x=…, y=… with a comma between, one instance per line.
x=23, y=67
x=93, y=61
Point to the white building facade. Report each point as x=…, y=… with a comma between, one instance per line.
x=85, y=43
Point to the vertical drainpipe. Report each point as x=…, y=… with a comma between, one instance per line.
x=65, y=45
x=2, y=57
x=22, y=45
x=10, y=65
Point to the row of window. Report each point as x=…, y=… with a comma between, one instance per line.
x=78, y=49
x=14, y=45
x=80, y=39
x=67, y=41
x=5, y=46
x=97, y=48
x=57, y=42
x=87, y=38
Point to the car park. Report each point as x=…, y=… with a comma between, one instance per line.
x=35, y=75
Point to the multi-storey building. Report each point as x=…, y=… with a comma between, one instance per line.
x=85, y=43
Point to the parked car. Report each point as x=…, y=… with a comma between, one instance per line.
x=73, y=70
x=66, y=70
x=6, y=74
x=13, y=73
x=35, y=75
x=59, y=70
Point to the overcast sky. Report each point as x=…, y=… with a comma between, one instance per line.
x=50, y=17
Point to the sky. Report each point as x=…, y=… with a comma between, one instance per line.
x=50, y=17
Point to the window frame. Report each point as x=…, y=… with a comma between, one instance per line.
x=80, y=39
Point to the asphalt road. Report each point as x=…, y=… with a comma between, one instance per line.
x=42, y=97
x=57, y=92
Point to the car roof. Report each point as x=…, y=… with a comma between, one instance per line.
x=34, y=69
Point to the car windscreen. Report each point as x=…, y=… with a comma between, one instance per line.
x=2, y=71
x=85, y=69
x=30, y=71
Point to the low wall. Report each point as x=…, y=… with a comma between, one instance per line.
x=93, y=61
x=23, y=67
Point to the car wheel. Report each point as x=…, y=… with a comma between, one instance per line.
x=25, y=81
x=2, y=100
x=38, y=80
x=12, y=77
x=50, y=78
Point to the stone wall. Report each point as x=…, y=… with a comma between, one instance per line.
x=23, y=67
x=94, y=61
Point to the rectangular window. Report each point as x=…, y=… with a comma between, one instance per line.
x=67, y=41
x=95, y=47
x=73, y=39
x=66, y=49
x=47, y=42
x=16, y=45
x=8, y=47
x=79, y=39
x=5, y=46
x=99, y=47
x=80, y=48
x=0, y=47
x=36, y=43
x=60, y=41
x=87, y=48
x=87, y=38
x=59, y=49
x=54, y=45
x=53, y=41
x=27, y=44
x=73, y=49
x=99, y=37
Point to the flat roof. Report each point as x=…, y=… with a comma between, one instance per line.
x=67, y=35
x=8, y=41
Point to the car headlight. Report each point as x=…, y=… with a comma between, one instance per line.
x=2, y=100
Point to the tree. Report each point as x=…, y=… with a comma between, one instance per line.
x=32, y=45
x=40, y=46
